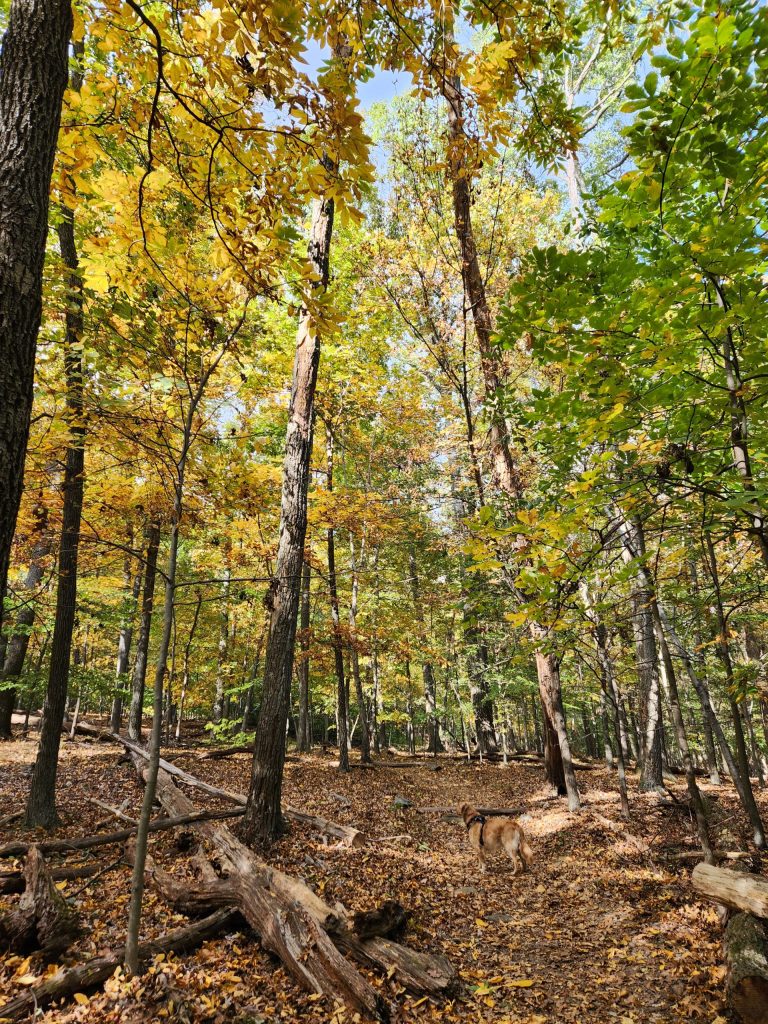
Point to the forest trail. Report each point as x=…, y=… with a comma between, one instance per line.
x=603, y=929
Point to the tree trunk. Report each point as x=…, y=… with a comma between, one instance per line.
x=41, y=805
x=731, y=688
x=145, y=628
x=33, y=76
x=733, y=889
x=557, y=751
x=434, y=743
x=746, y=957
x=218, y=703
x=132, y=958
x=18, y=642
x=262, y=818
x=132, y=582
x=303, y=739
x=187, y=649
x=651, y=778
x=365, y=729
x=342, y=703
x=507, y=477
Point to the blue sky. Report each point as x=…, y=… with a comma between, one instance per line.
x=382, y=87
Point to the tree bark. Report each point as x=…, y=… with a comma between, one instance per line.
x=132, y=585
x=18, y=642
x=262, y=819
x=41, y=804
x=342, y=704
x=218, y=704
x=362, y=710
x=557, y=751
x=33, y=76
x=43, y=921
x=434, y=743
x=746, y=957
x=732, y=888
x=145, y=628
x=651, y=778
x=304, y=739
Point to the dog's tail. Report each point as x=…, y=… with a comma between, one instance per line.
x=525, y=851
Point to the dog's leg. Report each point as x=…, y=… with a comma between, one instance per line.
x=512, y=849
x=481, y=860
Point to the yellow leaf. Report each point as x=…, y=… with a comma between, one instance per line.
x=520, y=983
x=480, y=922
x=27, y=979
x=81, y=998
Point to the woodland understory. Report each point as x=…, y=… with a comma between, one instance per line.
x=383, y=427
x=604, y=928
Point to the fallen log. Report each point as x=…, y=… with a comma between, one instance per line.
x=215, y=755
x=348, y=835
x=109, y=838
x=385, y=921
x=746, y=957
x=13, y=881
x=95, y=972
x=699, y=854
x=259, y=888
x=290, y=920
x=733, y=889
x=43, y=920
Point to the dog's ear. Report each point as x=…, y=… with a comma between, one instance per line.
x=463, y=809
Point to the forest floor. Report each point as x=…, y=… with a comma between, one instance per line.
x=604, y=929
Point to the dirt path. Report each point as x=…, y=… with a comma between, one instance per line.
x=601, y=931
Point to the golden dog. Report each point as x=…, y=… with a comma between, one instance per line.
x=494, y=835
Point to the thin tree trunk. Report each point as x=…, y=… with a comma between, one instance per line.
x=342, y=705
x=145, y=628
x=434, y=744
x=33, y=76
x=651, y=778
x=731, y=688
x=18, y=642
x=185, y=670
x=262, y=817
x=365, y=737
x=133, y=589
x=557, y=749
x=303, y=739
x=41, y=804
x=218, y=704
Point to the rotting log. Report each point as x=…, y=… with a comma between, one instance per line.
x=746, y=957
x=43, y=921
x=385, y=921
x=347, y=834
x=290, y=920
x=258, y=888
x=740, y=891
x=95, y=972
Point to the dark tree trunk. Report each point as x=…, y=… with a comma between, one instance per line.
x=145, y=628
x=262, y=817
x=41, y=805
x=18, y=642
x=558, y=762
x=33, y=76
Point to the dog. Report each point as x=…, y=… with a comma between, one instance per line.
x=494, y=835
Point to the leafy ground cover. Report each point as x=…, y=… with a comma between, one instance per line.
x=604, y=929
